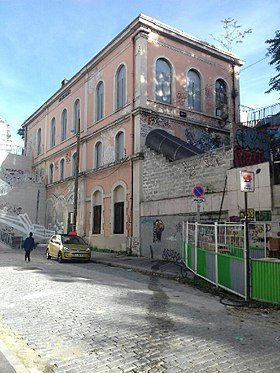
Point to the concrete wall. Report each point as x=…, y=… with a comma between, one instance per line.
x=19, y=190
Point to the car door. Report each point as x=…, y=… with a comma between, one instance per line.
x=54, y=245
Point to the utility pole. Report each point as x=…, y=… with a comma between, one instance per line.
x=76, y=185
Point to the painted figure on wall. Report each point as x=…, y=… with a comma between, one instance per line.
x=157, y=230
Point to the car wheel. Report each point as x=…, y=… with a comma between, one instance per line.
x=47, y=254
x=59, y=258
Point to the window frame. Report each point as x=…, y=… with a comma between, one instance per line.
x=76, y=115
x=99, y=101
x=98, y=158
x=159, y=82
x=53, y=132
x=221, y=98
x=63, y=131
x=62, y=169
x=194, y=93
x=121, y=77
x=119, y=146
x=39, y=141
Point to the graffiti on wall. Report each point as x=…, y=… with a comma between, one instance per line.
x=13, y=210
x=251, y=146
x=205, y=140
x=151, y=121
x=158, y=228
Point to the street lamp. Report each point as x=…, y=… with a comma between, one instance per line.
x=76, y=185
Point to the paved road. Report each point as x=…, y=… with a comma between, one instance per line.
x=87, y=317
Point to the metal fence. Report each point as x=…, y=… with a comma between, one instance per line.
x=217, y=253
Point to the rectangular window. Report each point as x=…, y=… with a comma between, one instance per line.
x=119, y=218
x=96, y=219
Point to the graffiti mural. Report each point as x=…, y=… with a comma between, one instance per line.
x=251, y=146
x=204, y=139
x=158, y=228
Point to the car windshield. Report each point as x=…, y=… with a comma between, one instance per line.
x=72, y=240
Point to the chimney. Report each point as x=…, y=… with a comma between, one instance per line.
x=64, y=81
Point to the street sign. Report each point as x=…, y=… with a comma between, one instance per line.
x=247, y=181
x=198, y=191
x=199, y=200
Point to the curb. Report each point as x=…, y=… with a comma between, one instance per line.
x=12, y=360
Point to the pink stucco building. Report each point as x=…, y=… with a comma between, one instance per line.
x=149, y=77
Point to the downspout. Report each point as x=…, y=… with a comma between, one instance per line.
x=131, y=161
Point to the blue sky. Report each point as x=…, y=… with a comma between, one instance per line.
x=44, y=41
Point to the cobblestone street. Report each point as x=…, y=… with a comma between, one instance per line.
x=87, y=317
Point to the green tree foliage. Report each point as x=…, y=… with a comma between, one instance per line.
x=20, y=132
x=232, y=34
x=274, y=53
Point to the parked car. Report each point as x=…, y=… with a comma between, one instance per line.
x=68, y=247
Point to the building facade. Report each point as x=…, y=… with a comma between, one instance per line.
x=88, y=141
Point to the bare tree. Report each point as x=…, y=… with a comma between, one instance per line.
x=232, y=34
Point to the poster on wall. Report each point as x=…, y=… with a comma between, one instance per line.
x=247, y=183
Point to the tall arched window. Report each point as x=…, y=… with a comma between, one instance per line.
x=98, y=155
x=119, y=146
x=63, y=132
x=62, y=169
x=51, y=173
x=96, y=212
x=121, y=87
x=99, y=101
x=118, y=196
x=194, y=90
x=74, y=164
x=53, y=129
x=221, y=98
x=77, y=115
x=163, y=81
x=39, y=141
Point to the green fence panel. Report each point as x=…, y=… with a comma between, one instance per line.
x=201, y=262
x=189, y=255
x=224, y=270
x=265, y=277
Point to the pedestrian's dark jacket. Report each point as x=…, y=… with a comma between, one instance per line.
x=29, y=244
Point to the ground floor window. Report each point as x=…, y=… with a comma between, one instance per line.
x=96, y=222
x=119, y=217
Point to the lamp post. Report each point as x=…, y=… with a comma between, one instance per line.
x=76, y=185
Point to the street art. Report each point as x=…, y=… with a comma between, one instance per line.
x=205, y=140
x=171, y=255
x=251, y=147
x=150, y=121
x=158, y=228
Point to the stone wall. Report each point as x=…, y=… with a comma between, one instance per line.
x=167, y=198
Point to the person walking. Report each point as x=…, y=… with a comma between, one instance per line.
x=28, y=245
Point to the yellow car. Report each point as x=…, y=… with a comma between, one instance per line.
x=68, y=247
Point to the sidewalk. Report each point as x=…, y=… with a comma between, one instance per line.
x=147, y=266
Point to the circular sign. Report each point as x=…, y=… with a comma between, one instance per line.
x=198, y=191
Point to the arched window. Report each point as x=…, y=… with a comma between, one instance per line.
x=77, y=115
x=39, y=141
x=119, y=146
x=63, y=132
x=118, y=196
x=163, y=81
x=98, y=155
x=96, y=212
x=194, y=90
x=99, y=101
x=74, y=164
x=121, y=87
x=51, y=173
x=62, y=169
x=221, y=98
x=53, y=128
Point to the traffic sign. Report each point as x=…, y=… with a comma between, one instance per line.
x=198, y=191
x=199, y=200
